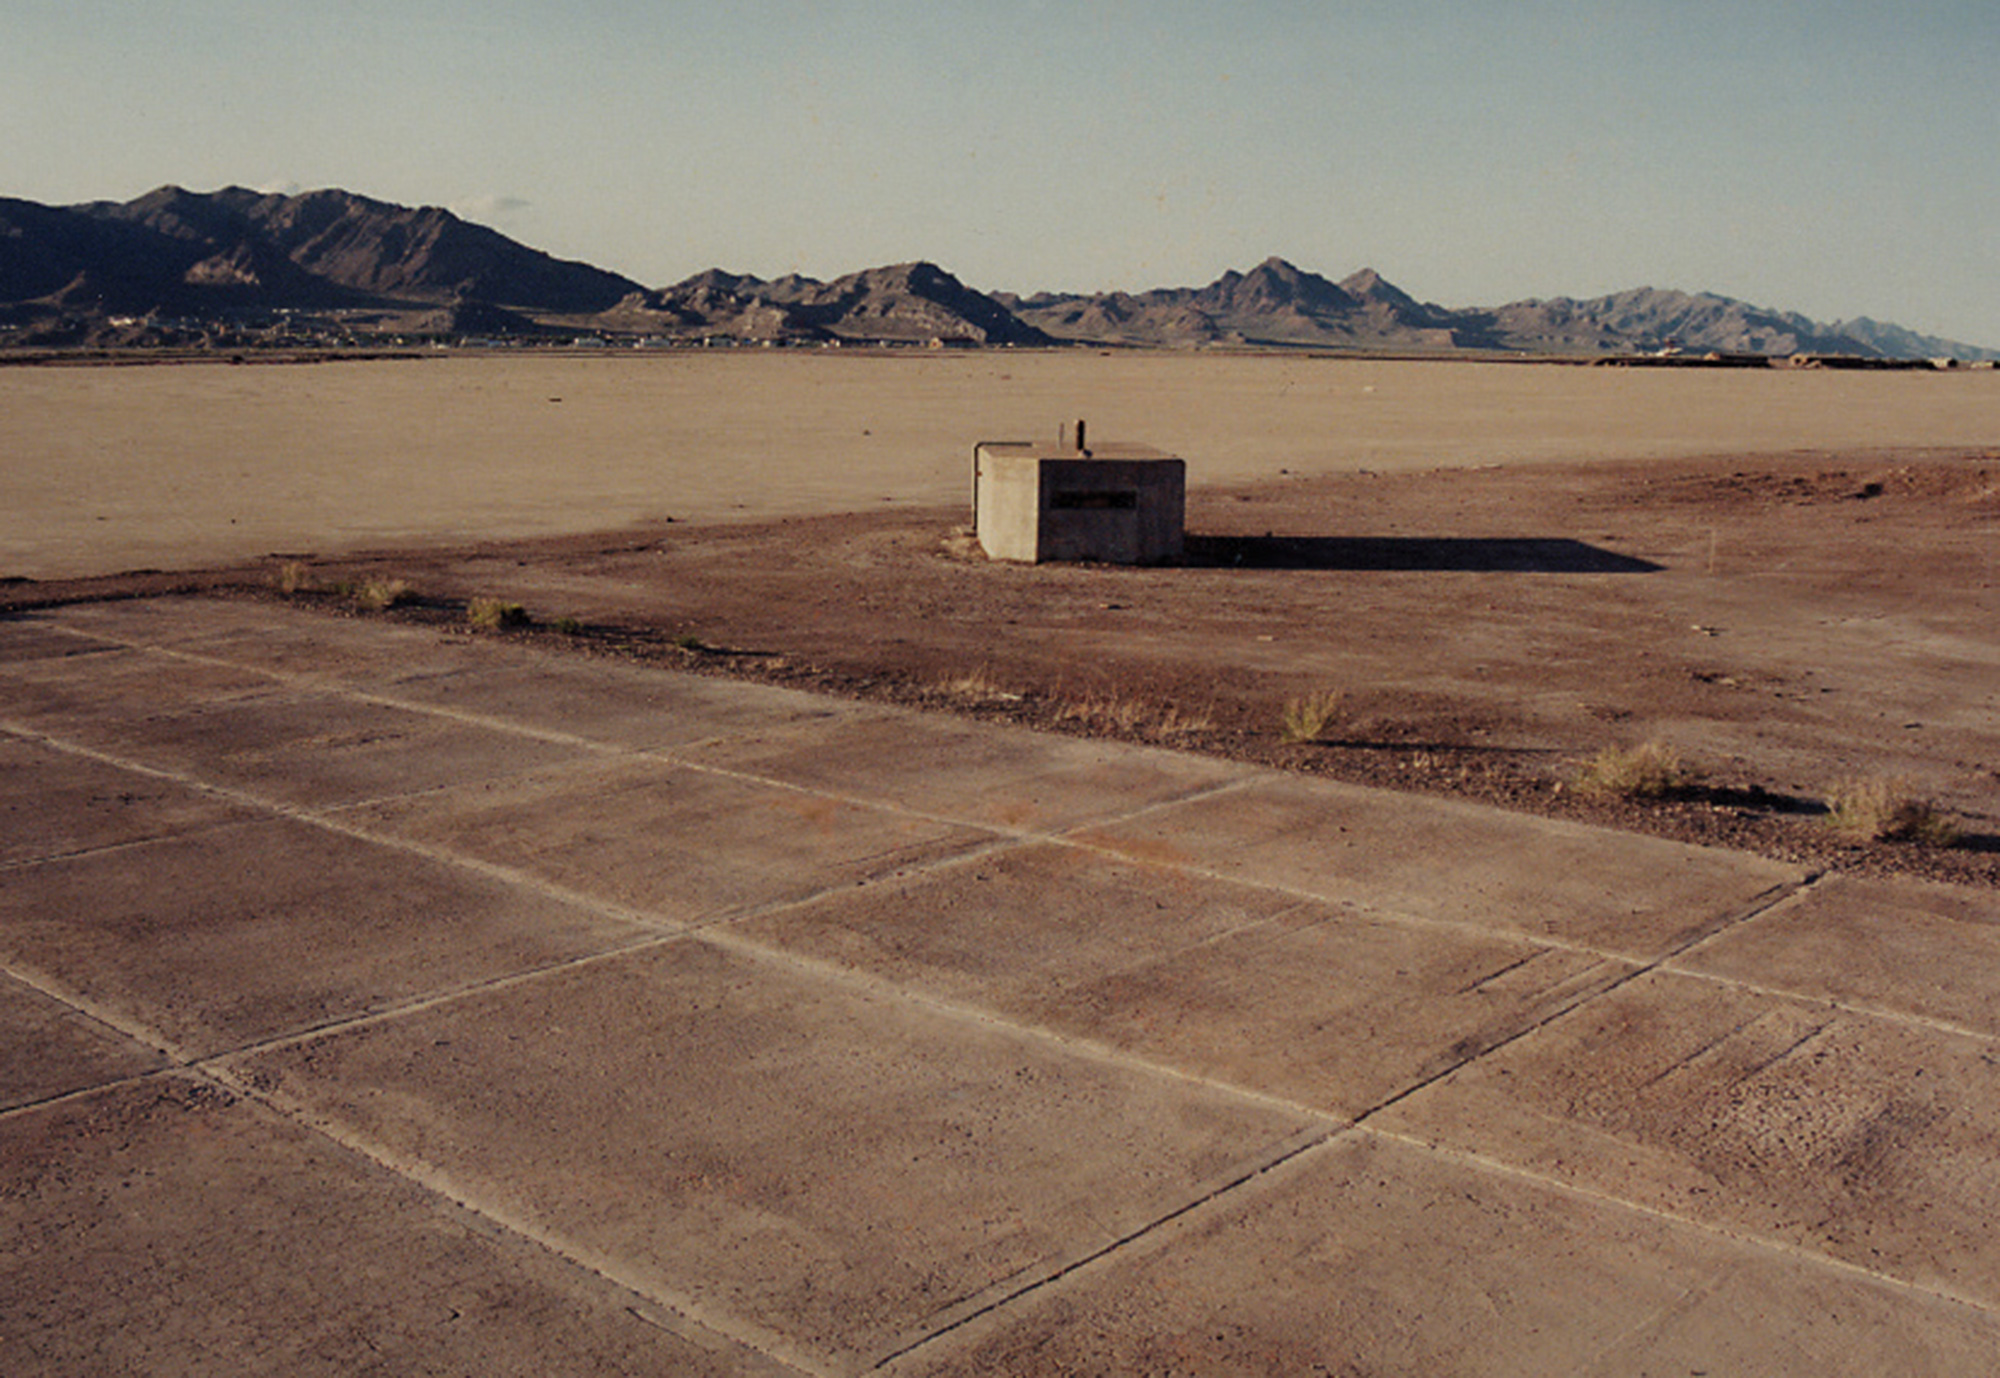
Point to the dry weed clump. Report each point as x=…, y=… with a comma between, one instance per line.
x=1888, y=810
x=1650, y=770
x=1102, y=713
x=377, y=594
x=294, y=577
x=976, y=687
x=495, y=614
x=1306, y=719
x=1173, y=724
x=1130, y=717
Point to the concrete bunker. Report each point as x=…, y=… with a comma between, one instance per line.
x=1118, y=503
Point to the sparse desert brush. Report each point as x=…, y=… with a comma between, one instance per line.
x=568, y=626
x=688, y=641
x=976, y=687
x=1650, y=770
x=1176, y=724
x=1102, y=713
x=1305, y=719
x=1888, y=810
x=495, y=614
x=294, y=577
x=377, y=594
x=1133, y=717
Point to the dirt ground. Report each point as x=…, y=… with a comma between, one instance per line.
x=1786, y=622
x=107, y=468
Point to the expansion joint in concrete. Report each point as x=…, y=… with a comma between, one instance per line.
x=1561, y=1186
x=1615, y=980
x=982, y=1304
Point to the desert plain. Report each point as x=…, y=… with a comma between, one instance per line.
x=110, y=468
x=1499, y=569
x=804, y=946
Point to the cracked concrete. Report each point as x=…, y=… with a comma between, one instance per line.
x=375, y=999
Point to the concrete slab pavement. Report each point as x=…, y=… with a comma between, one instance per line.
x=381, y=999
x=50, y=1047
x=1862, y=1139
x=1325, y=1006
x=830, y=1172
x=166, y=1226
x=227, y=936
x=1371, y=1255
x=1924, y=951
x=1026, y=782
x=661, y=840
x=1464, y=865
x=53, y=803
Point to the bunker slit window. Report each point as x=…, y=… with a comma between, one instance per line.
x=1098, y=500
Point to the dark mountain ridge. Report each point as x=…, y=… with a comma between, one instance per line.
x=176, y=266
x=905, y=302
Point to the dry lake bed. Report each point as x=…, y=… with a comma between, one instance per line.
x=107, y=468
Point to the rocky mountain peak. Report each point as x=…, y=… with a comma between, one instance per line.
x=228, y=255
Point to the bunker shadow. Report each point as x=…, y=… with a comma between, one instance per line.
x=1471, y=554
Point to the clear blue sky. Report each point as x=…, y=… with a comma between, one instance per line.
x=1827, y=156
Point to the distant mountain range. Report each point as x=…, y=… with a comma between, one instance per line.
x=237, y=268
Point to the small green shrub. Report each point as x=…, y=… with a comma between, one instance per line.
x=1306, y=719
x=1651, y=770
x=495, y=614
x=568, y=626
x=1887, y=810
x=688, y=641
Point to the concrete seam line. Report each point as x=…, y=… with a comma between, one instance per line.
x=650, y=925
x=1581, y=998
x=670, y=755
x=212, y=1066
x=438, y=1182
x=1090, y=1050
x=438, y=999
x=63, y=994
x=195, y=830
x=81, y=1093
x=1884, y=1013
x=1746, y=1238
x=1766, y=900
x=324, y=819
x=1760, y=903
x=1221, y=936
x=1814, y=880
x=652, y=930
x=324, y=816
x=1770, y=899
x=915, y=871
x=214, y=1069
x=647, y=937
x=1285, y=1152
x=1386, y=914
x=47, y=617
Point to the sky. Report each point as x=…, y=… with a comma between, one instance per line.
x=1832, y=157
